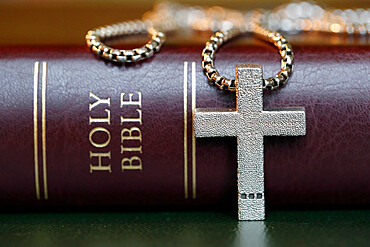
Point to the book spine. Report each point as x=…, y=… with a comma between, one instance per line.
x=75, y=130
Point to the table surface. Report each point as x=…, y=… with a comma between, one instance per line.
x=190, y=229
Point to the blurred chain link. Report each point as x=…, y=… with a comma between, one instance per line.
x=228, y=23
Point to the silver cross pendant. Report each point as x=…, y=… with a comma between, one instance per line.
x=249, y=122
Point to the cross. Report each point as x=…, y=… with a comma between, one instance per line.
x=249, y=122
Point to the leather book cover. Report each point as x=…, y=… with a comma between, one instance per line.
x=76, y=130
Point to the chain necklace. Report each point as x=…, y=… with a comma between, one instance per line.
x=290, y=18
x=249, y=121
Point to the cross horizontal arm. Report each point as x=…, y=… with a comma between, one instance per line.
x=283, y=122
x=216, y=122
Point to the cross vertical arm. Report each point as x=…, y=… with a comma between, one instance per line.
x=251, y=198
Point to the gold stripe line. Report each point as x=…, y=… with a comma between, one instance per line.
x=193, y=105
x=185, y=129
x=43, y=103
x=35, y=127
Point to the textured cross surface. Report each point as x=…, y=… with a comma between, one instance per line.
x=249, y=122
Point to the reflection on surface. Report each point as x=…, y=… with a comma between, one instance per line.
x=252, y=233
x=190, y=229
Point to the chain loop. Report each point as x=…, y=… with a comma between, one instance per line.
x=219, y=38
x=95, y=41
x=290, y=18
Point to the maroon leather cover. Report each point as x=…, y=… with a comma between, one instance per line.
x=328, y=166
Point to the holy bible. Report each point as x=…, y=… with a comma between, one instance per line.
x=79, y=131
